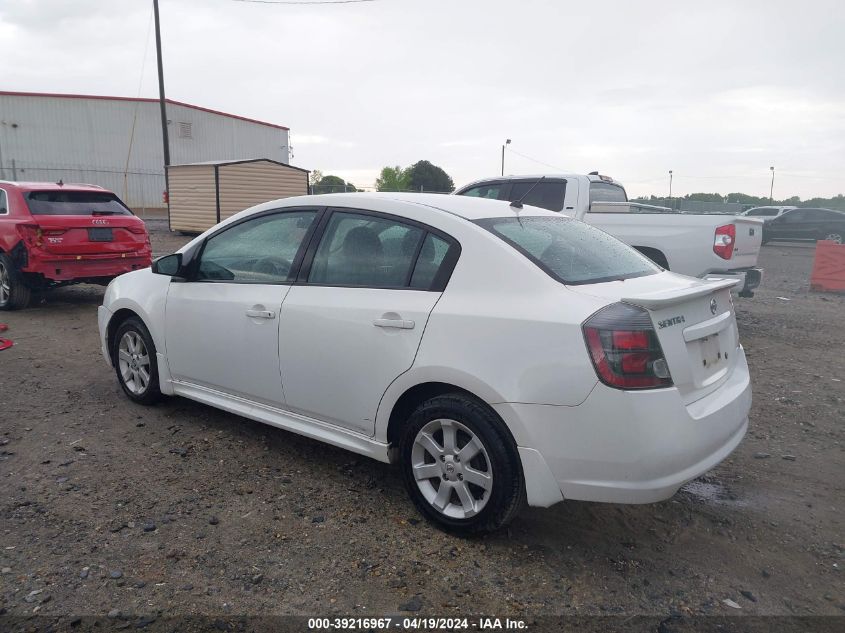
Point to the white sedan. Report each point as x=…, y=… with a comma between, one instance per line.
x=500, y=354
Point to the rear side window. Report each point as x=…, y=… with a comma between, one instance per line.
x=492, y=191
x=374, y=251
x=607, y=192
x=75, y=203
x=570, y=251
x=4, y=202
x=432, y=254
x=546, y=195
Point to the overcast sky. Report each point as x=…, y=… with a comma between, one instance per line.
x=716, y=91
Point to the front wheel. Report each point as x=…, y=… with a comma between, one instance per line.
x=833, y=236
x=134, y=355
x=14, y=294
x=460, y=465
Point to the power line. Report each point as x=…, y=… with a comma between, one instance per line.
x=539, y=162
x=304, y=1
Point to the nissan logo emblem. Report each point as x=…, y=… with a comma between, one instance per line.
x=713, y=306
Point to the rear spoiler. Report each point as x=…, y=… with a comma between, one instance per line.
x=665, y=298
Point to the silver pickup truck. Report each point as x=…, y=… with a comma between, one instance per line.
x=698, y=245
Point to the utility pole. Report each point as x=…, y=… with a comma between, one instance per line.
x=670, y=184
x=772, y=188
x=507, y=142
x=161, y=102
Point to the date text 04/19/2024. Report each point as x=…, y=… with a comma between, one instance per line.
x=417, y=624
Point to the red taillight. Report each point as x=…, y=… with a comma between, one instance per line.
x=30, y=234
x=624, y=348
x=137, y=230
x=53, y=232
x=723, y=241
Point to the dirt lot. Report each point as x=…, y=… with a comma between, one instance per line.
x=106, y=506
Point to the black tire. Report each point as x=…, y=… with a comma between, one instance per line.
x=14, y=294
x=148, y=393
x=507, y=496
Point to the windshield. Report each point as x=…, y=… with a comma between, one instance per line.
x=75, y=203
x=570, y=251
x=607, y=192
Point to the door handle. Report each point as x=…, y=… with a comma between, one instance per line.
x=402, y=324
x=260, y=314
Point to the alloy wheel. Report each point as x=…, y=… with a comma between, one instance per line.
x=5, y=285
x=134, y=362
x=451, y=468
x=834, y=237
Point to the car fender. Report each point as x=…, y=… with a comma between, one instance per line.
x=122, y=292
x=419, y=375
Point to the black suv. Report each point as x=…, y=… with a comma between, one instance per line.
x=806, y=224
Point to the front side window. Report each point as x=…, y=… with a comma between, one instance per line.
x=570, y=251
x=544, y=194
x=492, y=191
x=607, y=192
x=61, y=202
x=366, y=250
x=261, y=250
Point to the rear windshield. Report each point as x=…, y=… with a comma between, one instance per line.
x=570, y=251
x=75, y=203
x=607, y=192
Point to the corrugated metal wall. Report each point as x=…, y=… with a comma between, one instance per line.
x=193, y=198
x=88, y=140
x=247, y=184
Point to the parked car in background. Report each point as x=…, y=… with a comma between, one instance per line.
x=806, y=224
x=765, y=213
x=55, y=234
x=498, y=354
x=698, y=245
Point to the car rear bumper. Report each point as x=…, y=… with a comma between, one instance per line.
x=749, y=279
x=71, y=267
x=628, y=446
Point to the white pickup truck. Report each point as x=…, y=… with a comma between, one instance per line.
x=698, y=245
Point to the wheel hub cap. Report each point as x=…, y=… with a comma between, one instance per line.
x=134, y=362
x=452, y=469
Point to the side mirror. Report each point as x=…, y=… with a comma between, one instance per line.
x=170, y=265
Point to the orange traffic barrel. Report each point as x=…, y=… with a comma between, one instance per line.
x=828, y=267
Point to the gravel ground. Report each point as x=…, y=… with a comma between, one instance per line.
x=108, y=507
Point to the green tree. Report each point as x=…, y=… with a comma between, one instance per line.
x=427, y=177
x=393, y=179
x=332, y=184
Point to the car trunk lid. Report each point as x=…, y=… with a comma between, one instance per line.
x=694, y=322
x=68, y=222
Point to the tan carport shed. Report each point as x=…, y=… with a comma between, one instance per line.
x=203, y=194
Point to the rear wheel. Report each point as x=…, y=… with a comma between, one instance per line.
x=833, y=236
x=14, y=294
x=134, y=357
x=460, y=465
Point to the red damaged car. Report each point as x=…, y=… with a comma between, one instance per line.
x=53, y=234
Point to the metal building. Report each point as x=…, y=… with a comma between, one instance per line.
x=115, y=142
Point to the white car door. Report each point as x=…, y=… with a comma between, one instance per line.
x=222, y=323
x=355, y=318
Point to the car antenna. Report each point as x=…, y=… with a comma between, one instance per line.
x=517, y=204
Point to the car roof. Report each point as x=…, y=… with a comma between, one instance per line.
x=465, y=207
x=51, y=186
x=552, y=176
